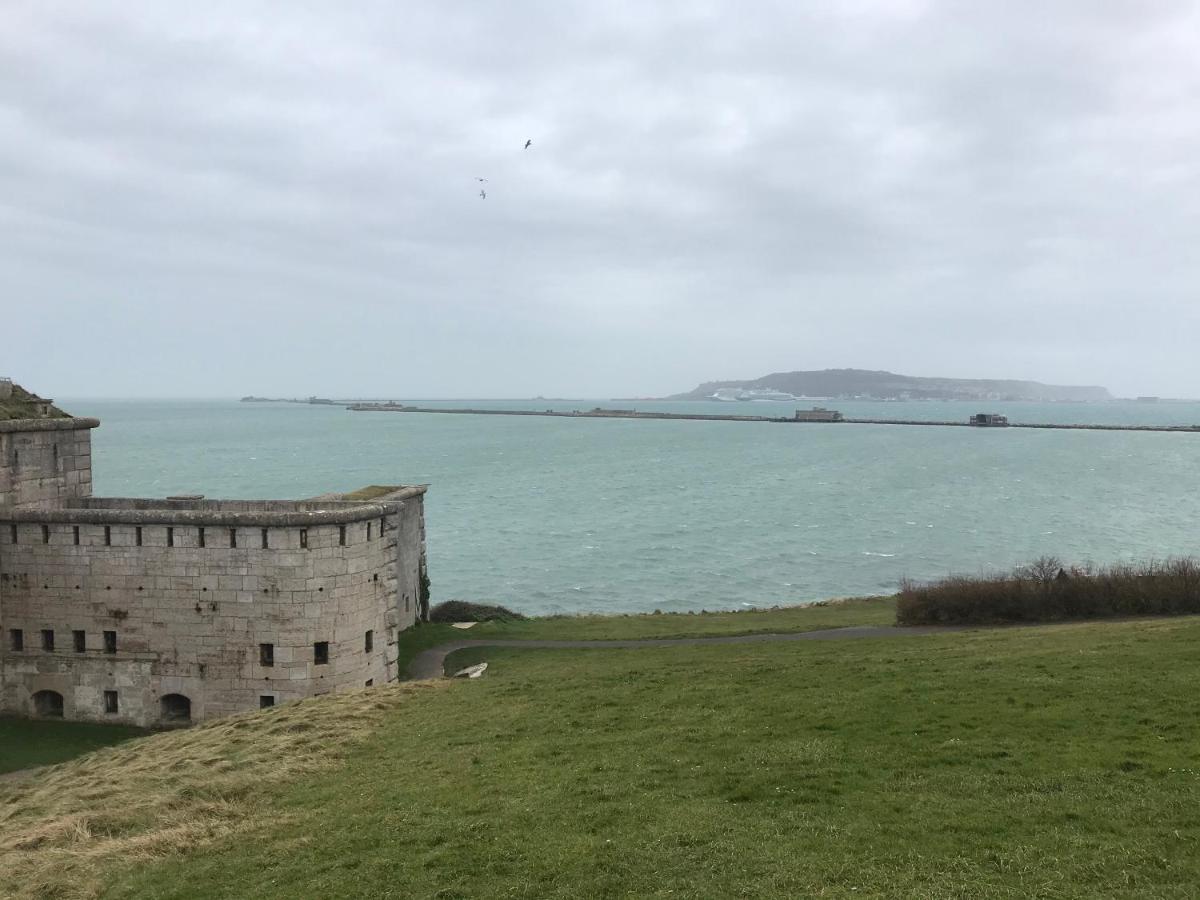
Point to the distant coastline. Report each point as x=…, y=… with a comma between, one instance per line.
x=865, y=384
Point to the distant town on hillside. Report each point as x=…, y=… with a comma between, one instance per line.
x=842, y=384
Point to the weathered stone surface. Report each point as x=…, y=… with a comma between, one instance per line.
x=190, y=589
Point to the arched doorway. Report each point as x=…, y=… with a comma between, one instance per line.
x=48, y=704
x=176, y=708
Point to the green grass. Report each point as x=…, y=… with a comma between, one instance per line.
x=36, y=742
x=816, y=616
x=1053, y=761
x=371, y=492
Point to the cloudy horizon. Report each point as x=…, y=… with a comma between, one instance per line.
x=283, y=200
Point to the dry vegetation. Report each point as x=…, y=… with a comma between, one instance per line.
x=1048, y=591
x=170, y=792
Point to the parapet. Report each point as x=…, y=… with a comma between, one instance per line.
x=69, y=423
x=200, y=512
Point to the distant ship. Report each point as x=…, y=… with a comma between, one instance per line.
x=732, y=394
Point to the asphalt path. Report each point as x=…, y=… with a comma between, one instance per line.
x=431, y=663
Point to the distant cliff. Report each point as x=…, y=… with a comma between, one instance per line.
x=848, y=383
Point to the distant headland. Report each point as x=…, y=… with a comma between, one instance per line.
x=863, y=384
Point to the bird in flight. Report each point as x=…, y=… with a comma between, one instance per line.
x=482, y=194
x=481, y=179
x=528, y=142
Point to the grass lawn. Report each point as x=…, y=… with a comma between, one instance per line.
x=25, y=743
x=814, y=617
x=828, y=614
x=1055, y=761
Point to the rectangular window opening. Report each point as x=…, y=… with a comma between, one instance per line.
x=368, y=641
x=321, y=652
x=110, y=702
x=16, y=639
x=75, y=530
x=265, y=543
x=12, y=532
x=233, y=537
x=303, y=538
x=110, y=642
x=170, y=536
x=265, y=701
x=370, y=682
x=48, y=639
x=137, y=532
x=80, y=639
x=368, y=531
x=107, y=535
x=341, y=535
x=266, y=655
x=45, y=534
x=200, y=537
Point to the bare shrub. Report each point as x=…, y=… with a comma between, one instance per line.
x=1047, y=590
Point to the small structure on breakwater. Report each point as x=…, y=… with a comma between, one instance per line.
x=818, y=414
x=989, y=420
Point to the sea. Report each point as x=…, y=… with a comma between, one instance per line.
x=556, y=515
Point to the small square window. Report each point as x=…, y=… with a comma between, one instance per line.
x=321, y=652
x=48, y=639
x=265, y=701
x=16, y=639
x=266, y=655
x=110, y=642
x=370, y=682
x=80, y=638
x=110, y=702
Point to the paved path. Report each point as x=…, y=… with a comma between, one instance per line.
x=431, y=663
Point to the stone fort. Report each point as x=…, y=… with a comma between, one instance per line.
x=163, y=612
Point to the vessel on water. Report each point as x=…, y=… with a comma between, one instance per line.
x=730, y=394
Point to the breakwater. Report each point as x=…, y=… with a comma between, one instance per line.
x=603, y=413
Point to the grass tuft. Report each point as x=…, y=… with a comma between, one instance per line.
x=170, y=792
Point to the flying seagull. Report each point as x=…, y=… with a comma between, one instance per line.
x=528, y=142
x=481, y=179
x=483, y=195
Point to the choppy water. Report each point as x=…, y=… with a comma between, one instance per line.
x=551, y=515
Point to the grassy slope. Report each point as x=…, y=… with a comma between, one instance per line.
x=25, y=742
x=1052, y=761
x=67, y=827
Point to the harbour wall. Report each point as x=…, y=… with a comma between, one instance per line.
x=600, y=413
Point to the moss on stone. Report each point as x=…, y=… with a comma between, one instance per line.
x=21, y=404
x=371, y=492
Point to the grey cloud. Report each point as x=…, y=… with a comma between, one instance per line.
x=714, y=190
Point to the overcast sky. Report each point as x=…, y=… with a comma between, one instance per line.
x=232, y=197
